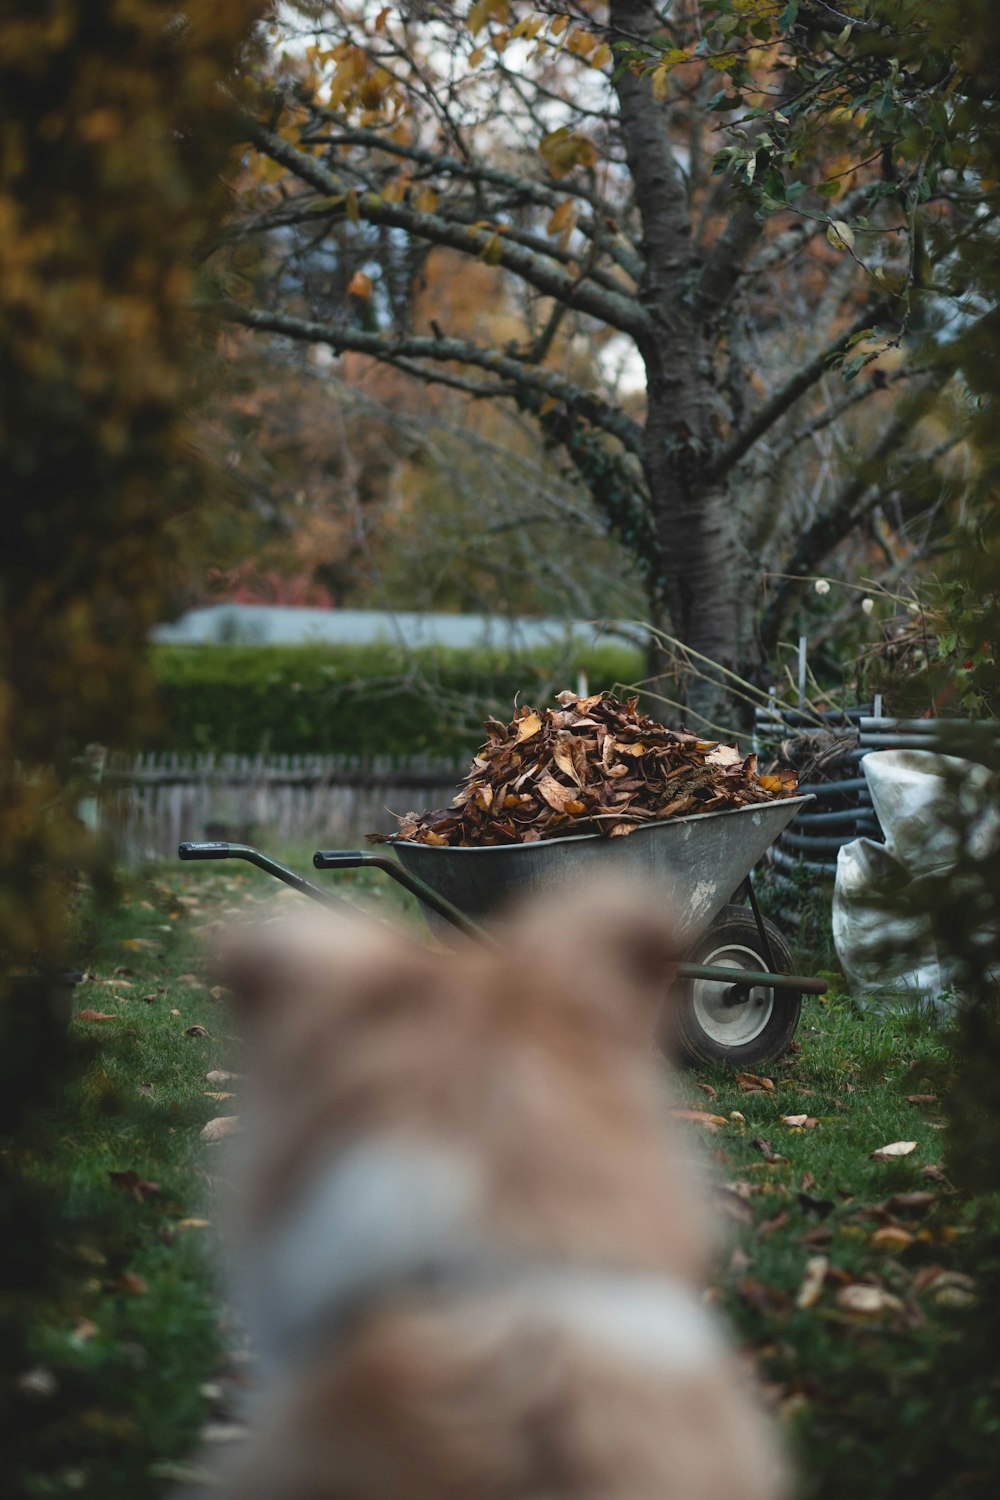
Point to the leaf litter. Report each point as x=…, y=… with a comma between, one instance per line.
x=592, y=765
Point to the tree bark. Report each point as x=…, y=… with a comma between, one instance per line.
x=695, y=524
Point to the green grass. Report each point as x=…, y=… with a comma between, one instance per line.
x=132, y=1352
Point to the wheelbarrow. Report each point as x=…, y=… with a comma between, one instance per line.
x=738, y=996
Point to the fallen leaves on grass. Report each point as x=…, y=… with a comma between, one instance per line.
x=216, y=1095
x=921, y=1098
x=812, y=1282
x=219, y=1075
x=94, y=1015
x=197, y=1030
x=129, y=1283
x=866, y=1301
x=220, y=1128
x=698, y=1116
x=891, y=1237
x=894, y=1149
x=766, y=1150
x=750, y=1083
x=769, y=1300
x=593, y=765
x=134, y=1185
x=800, y=1122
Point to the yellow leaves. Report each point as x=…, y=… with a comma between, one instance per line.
x=425, y=201
x=562, y=218
x=492, y=250
x=722, y=61
x=562, y=150
x=486, y=10
x=360, y=286
x=529, y=27
x=528, y=726
x=580, y=42
x=602, y=56
x=559, y=25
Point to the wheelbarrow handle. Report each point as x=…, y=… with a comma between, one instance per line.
x=263, y=862
x=204, y=851
x=353, y=859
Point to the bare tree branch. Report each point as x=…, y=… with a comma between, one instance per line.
x=619, y=309
x=793, y=390
x=838, y=519
x=393, y=347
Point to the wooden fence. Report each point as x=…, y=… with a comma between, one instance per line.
x=149, y=803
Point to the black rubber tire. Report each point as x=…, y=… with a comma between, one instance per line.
x=733, y=939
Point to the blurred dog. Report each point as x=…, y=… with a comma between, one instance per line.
x=470, y=1251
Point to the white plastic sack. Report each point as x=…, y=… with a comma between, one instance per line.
x=932, y=808
x=929, y=804
x=877, y=947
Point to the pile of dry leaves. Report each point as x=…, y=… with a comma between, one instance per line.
x=593, y=765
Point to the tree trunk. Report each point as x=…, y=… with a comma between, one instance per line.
x=695, y=525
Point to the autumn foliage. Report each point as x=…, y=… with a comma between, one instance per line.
x=116, y=122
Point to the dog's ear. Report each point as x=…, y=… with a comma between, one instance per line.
x=612, y=947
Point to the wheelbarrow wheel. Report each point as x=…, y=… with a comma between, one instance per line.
x=711, y=1028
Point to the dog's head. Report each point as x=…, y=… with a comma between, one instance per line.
x=505, y=1092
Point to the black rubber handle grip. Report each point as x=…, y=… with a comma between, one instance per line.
x=339, y=859
x=203, y=851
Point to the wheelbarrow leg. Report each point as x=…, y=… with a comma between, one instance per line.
x=758, y=918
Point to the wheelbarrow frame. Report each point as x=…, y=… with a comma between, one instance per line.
x=739, y=982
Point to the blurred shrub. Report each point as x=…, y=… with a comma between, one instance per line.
x=361, y=700
x=115, y=131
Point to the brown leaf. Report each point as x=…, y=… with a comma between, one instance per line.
x=197, y=1030
x=821, y=1235
x=918, y=1203
x=799, y=1122
x=219, y=1097
x=134, y=1185
x=921, y=1098
x=891, y=1237
x=894, y=1149
x=93, y=1015
x=527, y=726
x=219, y=1075
x=219, y=1129
x=707, y=1088
x=867, y=1301
x=773, y=1224
x=821, y=1207
x=769, y=1300
x=128, y=1282
x=764, y=1147
x=733, y=1205
x=699, y=1116
x=751, y=1083
x=812, y=1282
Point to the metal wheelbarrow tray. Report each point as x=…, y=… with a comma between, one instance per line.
x=739, y=999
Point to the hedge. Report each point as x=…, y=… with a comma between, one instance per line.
x=361, y=700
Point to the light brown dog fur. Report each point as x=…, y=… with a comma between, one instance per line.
x=471, y=1248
